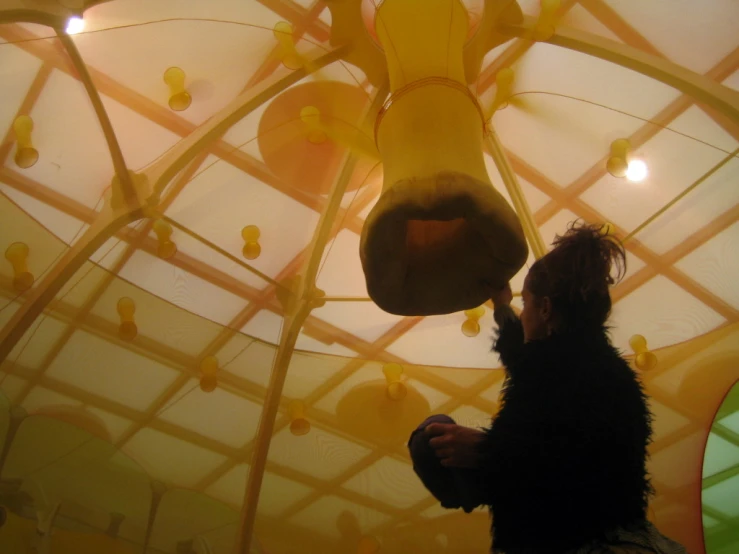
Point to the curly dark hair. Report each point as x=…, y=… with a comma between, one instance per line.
x=577, y=273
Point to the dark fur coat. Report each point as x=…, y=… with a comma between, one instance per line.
x=564, y=458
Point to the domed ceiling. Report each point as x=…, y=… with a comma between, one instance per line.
x=184, y=314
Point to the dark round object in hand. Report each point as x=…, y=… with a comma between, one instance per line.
x=454, y=488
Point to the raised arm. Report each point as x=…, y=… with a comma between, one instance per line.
x=509, y=340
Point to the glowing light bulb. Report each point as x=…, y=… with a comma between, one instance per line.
x=75, y=25
x=637, y=171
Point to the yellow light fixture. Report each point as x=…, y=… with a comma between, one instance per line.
x=252, y=249
x=179, y=98
x=644, y=359
x=288, y=54
x=163, y=230
x=621, y=164
x=545, y=24
x=396, y=389
x=618, y=162
x=17, y=255
x=127, y=330
x=311, y=116
x=25, y=155
x=208, y=371
x=471, y=326
x=299, y=424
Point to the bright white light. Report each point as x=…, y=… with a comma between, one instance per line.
x=637, y=171
x=75, y=25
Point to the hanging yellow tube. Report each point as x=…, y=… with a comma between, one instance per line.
x=440, y=235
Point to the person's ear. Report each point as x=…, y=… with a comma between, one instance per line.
x=545, y=309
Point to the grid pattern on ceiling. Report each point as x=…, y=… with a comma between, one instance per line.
x=257, y=300
x=146, y=431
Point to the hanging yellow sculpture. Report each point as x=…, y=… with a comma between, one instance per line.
x=440, y=235
x=437, y=240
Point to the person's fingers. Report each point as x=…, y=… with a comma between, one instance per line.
x=436, y=429
x=440, y=441
x=456, y=463
x=444, y=454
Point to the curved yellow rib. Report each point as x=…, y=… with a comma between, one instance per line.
x=119, y=164
x=520, y=204
x=700, y=87
x=304, y=300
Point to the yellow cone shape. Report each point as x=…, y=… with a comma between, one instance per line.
x=440, y=235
